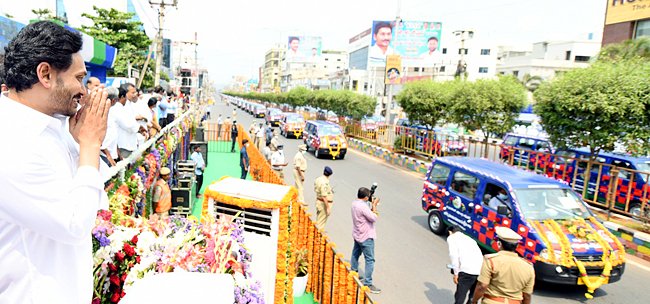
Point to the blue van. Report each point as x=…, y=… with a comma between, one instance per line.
x=522, y=143
x=559, y=232
x=632, y=186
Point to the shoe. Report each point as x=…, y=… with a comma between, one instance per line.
x=374, y=289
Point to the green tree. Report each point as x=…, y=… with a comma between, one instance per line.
x=116, y=29
x=488, y=106
x=531, y=82
x=299, y=96
x=597, y=107
x=628, y=50
x=46, y=14
x=426, y=101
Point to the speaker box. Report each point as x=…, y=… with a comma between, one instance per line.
x=199, y=134
x=181, y=197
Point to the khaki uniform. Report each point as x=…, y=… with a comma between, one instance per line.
x=274, y=143
x=299, y=164
x=323, y=192
x=507, y=276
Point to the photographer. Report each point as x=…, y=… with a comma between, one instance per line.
x=364, y=217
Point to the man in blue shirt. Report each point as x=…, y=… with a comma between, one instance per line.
x=197, y=157
x=244, y=162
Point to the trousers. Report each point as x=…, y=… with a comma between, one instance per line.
x=321, y=214
x=466, y=282
x=367, y=248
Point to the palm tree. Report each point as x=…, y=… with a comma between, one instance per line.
x=630, y=49
x=531, y=82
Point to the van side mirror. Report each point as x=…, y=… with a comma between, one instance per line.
x=502, y=210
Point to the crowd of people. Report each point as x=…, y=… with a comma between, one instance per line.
x=134, y=117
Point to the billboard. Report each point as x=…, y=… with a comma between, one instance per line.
x=417, y=42
x=303, y=48
x=626, y=10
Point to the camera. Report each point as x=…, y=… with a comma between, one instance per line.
x=372, y=191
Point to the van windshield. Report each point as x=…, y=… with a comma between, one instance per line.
x=557, y=204
x=330, y=130
x=294, y=118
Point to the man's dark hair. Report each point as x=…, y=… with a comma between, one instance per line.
x=158, y=89
x=245, y=141
x=433, y=38
x=508, y=246
x=121, y=92
x=42, y=41
x=363, y=193
x=88, y=81
x=292, y=38
x=381, y=25
x=127, y=86
x=152, y=101
x=454, y=228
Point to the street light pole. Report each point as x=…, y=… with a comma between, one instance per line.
x=159, y=38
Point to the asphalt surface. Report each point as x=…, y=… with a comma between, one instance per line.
x=411, y=261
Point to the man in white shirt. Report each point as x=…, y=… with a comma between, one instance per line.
x=51, y=186
x=171, y=109
x=466, y=261
x=197, y=157
x=382, y=35
x=432, y=56
x=278, y=161
x=127, y=139
x=109, y=146
x=219, y=125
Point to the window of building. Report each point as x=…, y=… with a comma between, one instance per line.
x=355, y=85
x=338, y=68
x=642, y=28
x=327, y=59
x=444, y=50
x=485, y=51
x=365, y=86
x=442, y=69
x=502, y=73
x=423, y=70
x=463, y=51
x=582, y=58
x=483, y=70
x=339, y=59
x=515, y=73
x=567, y=55
x=416, y=69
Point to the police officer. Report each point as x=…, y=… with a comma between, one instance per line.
x=324, y=197
x=505, y=277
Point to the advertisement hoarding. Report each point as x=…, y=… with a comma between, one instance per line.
x=303, y=48
x=417, y=42
x=393, y=69
x=626, y=10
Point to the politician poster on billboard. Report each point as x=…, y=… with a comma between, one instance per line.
x=303, y=48
x=417, y=43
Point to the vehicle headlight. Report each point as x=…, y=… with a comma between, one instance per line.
x=544, y=254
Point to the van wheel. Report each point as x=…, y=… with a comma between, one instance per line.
x=436, y=225
x=316, y=153
x=635, y=209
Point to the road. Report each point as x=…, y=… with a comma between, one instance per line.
x=411, y=261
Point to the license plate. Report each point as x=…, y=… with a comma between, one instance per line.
x=593, y=278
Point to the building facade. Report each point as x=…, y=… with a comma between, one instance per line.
x=314, y=73
x=271, y=70
x=546, y=59
x=626, y=19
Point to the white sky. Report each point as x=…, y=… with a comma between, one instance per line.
x=234, y=34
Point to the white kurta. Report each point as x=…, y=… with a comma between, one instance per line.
x=48, y=208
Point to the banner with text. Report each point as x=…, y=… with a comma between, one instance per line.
x=626, y=10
